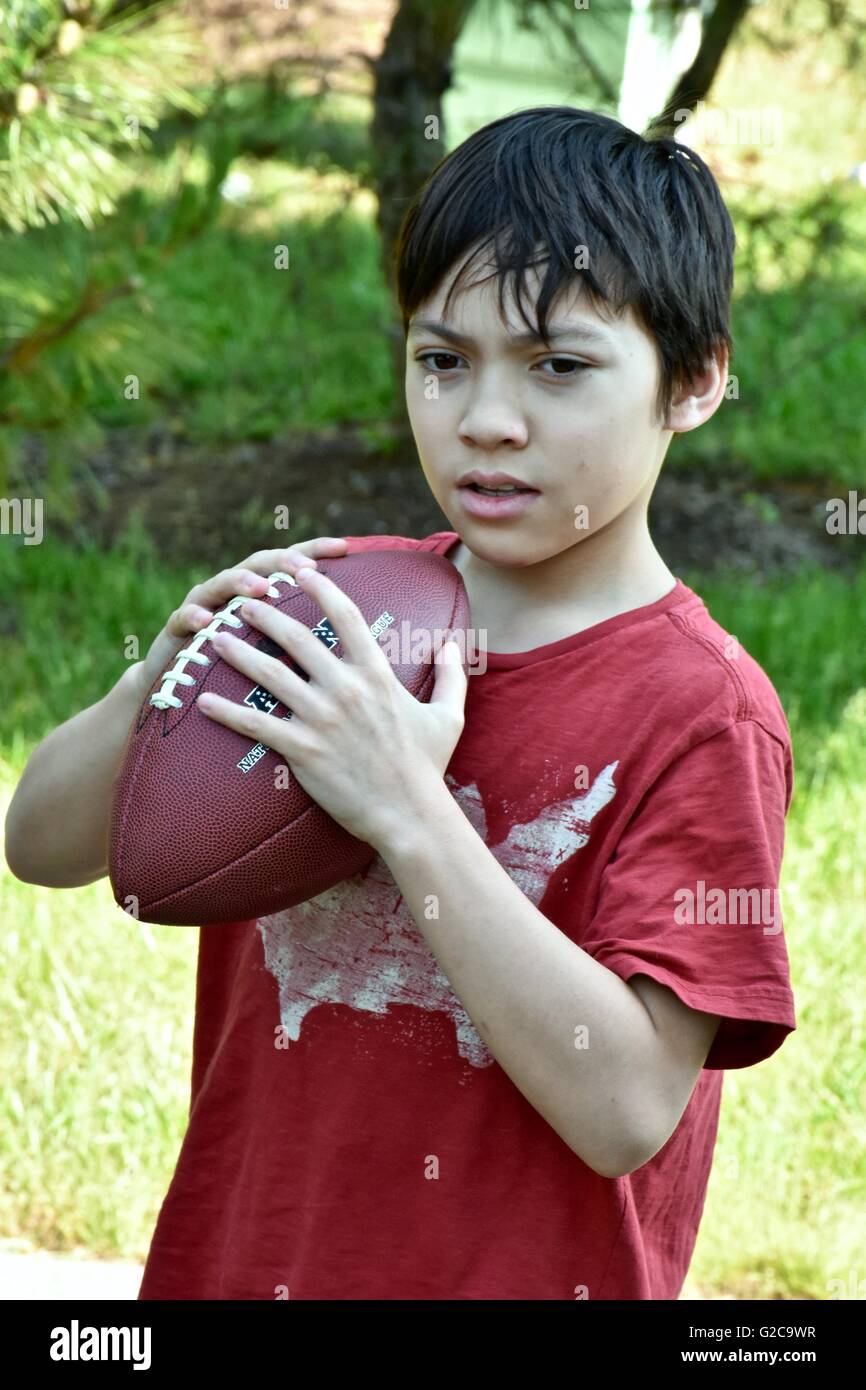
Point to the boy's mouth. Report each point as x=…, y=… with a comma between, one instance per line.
x=497, y=491
x=494, y=484
x=505, y=500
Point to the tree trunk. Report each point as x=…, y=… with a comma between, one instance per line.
x=411, y=74
x=692, y=86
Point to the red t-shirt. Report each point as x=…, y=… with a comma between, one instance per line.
x=350, y=1135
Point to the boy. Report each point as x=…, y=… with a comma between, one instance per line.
x=490, y=1066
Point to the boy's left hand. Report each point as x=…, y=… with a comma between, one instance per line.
x=359, y=743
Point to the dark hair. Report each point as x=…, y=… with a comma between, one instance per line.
x=539, y=183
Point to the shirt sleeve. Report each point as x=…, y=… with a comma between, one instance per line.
x=690, y=896
x=359, y=543
x=435, y=541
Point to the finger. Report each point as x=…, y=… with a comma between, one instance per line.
x=189, y=618
x=290, y=559
x=451, y=681
x=295, y=638
x=276, y=734
x=322, y=545
x=268, y=562
x=284, y=684
x=213, y=593
x=345, y=617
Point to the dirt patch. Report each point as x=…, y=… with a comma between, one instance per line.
x=213, y=505
x=721, y=519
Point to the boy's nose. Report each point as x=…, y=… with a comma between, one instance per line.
x=489, y=423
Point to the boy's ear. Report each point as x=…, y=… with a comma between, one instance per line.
x=692, y=404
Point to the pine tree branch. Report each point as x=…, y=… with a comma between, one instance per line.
x=65, y=113
x=193, y=212
x=21, y=357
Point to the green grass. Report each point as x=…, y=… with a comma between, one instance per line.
x=97, y=1032
x=97, y=1012
x=799, y=352
x=277, y=349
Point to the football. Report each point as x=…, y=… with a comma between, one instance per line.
x=207, y=826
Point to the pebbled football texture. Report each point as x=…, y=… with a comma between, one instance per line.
x=209, y=826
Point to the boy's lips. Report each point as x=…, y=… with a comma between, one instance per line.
x=487, y=505
x=482, y=479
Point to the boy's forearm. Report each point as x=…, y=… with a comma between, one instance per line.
x=528, y=988
x=57, y=822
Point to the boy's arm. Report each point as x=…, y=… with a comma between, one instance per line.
x=528, y=988
x=57, y=822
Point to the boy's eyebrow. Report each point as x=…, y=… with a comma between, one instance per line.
x=565, y=330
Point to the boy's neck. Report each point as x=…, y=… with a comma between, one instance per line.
x=612, y=571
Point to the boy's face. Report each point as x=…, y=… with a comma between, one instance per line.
x=576, y=422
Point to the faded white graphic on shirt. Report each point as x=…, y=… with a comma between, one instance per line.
x=358, y=943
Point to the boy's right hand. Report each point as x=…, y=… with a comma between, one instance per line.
x=249, y=578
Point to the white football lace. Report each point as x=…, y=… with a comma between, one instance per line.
x=164, y=698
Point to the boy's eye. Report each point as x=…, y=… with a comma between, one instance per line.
x=427, y=357
x=568, y=363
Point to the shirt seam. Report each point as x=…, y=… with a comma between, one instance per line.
x=634, y=614
x=701, y=640
x=777, y=994
x=745, y=702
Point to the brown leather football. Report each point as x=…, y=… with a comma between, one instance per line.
x=207, y=826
